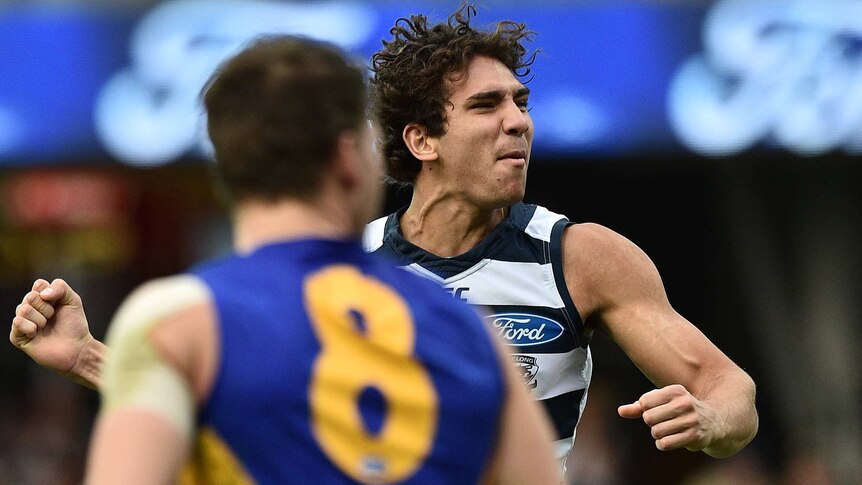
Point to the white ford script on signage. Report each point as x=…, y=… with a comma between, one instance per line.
x=780, y=72
x=149, y=112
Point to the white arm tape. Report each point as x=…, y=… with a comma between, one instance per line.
x=135, y=374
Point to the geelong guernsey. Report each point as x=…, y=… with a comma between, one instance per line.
x=515, y=276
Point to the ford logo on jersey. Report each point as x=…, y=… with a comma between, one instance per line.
x=523, y=329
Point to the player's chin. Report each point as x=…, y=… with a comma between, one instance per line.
x=512, y=194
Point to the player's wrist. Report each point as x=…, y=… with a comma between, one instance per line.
x=87, y=369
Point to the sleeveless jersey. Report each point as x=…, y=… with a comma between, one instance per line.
x=337, y=367
x=516, y=275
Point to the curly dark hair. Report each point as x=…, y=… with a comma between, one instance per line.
x=410, y=76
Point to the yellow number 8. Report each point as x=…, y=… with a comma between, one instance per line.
x=351, y=360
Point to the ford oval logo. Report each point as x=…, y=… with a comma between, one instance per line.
x=523, y=329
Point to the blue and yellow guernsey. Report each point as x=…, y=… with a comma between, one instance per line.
x=516, y=275
x=337, y=367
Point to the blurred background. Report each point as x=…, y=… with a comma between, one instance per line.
x=723, y=137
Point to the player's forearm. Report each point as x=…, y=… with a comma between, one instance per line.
x=733, y=399
x=87, y=370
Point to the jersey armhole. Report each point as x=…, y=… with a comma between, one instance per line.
x=556, y=249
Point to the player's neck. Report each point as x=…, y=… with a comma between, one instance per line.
x=447, y=225
x=259, y=223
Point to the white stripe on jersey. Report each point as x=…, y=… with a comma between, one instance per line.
x=541, y=224
x=372, y=237
x=494, y=282
x=572, y=370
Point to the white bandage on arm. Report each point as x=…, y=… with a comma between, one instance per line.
x=136, y=375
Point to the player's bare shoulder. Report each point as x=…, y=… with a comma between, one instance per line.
x=157, y=299
x=173, y=316
x=599, y=245
x=605, y=265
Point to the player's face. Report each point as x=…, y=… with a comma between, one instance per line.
x=486, y=148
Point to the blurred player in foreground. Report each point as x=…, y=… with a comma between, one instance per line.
x=301, y=358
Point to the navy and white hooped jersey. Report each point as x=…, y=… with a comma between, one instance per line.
x=516, y=275
x=337, y=367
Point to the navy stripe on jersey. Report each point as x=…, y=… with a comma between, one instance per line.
x=563, y=411
x=571, y=312
x=506, y=242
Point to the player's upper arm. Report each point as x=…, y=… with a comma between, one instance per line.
x=607, y=273
x=156, y=343
x=617, y=286
x=163, y=350
x=524, y=453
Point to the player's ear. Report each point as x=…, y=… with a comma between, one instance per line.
x=346, y=160
x=419, y=143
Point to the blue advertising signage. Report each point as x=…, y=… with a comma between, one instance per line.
x=612, y=79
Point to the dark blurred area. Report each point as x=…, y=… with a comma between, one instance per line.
x=753, y=219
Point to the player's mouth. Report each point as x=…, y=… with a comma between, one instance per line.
x=514, y=157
